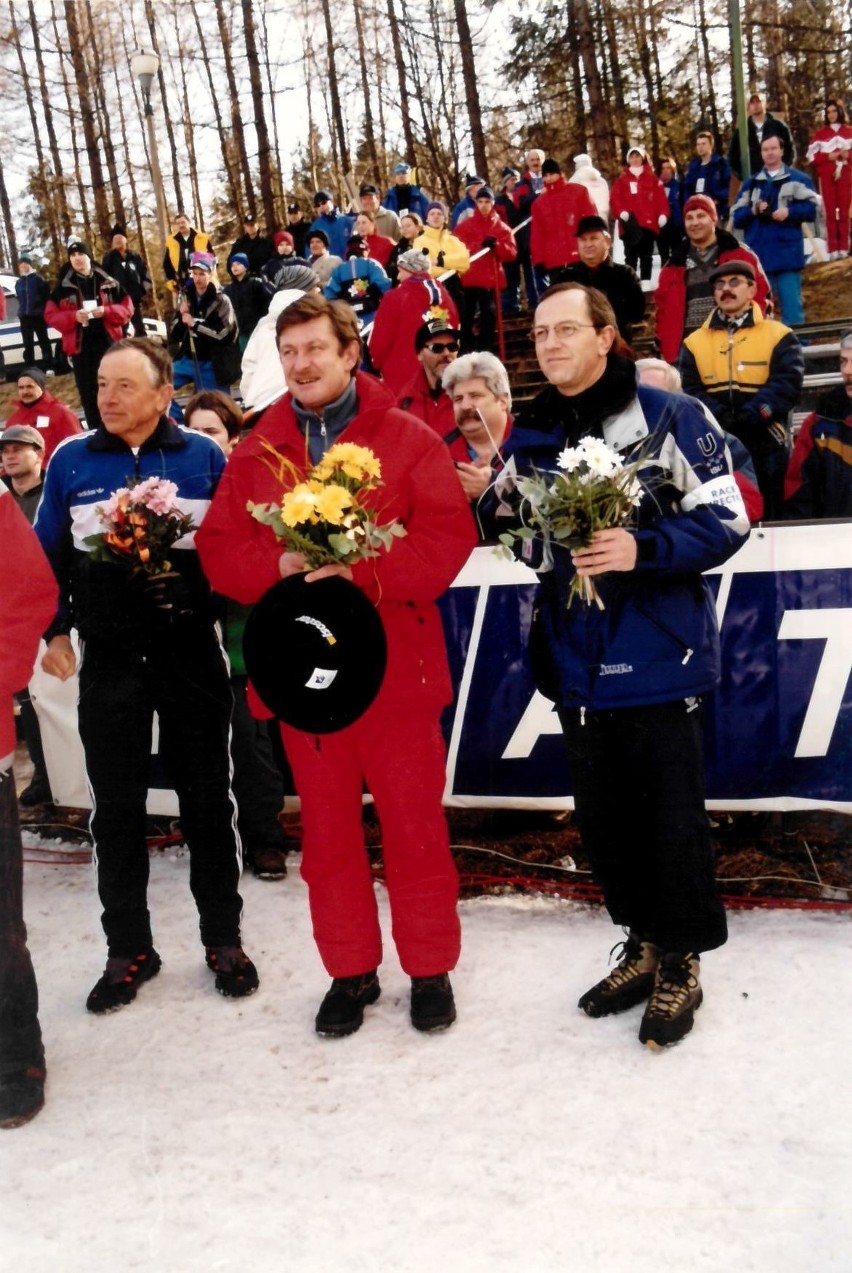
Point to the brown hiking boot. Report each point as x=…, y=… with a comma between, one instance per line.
x=676, y=996
x=629, y=983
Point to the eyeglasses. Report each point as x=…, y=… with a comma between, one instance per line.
x=562, y=332
x=450, y=347
x=735, y=282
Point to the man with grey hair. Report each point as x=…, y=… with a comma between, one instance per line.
x=819, y=479
x=478, y=388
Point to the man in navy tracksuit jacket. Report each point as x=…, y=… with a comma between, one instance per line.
x=149, y=646
x=628, y=679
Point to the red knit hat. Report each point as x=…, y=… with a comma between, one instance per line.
x=701, y=203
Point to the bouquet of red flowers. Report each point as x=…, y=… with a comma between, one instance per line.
x=141, y=523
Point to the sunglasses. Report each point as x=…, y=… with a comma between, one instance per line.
x=450, y=346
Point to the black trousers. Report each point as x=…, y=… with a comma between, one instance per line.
x=258, y=782
x=34, y=327
x=187, y=686
x=20, y=1035
x=638, y=777
x=641, y=252
x=478, y=301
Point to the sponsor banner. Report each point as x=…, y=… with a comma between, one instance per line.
x=779, y=729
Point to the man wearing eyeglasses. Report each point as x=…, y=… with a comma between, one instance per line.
x=628, y=679
x=748, y=370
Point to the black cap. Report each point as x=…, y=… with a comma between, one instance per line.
x=549, y=166
x=436, y=327
x=336, y=651
x=322, y=196
x=249, y=219
x=366, y=188
x=293, y=207
x=588, y=225
x=484, y=192
x=744, y=268
x=318, y=234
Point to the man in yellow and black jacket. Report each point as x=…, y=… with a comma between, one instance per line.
x=180, y=246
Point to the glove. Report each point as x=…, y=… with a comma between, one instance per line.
x=624, y=216
x=661, y=221
x=490, y=242
x=167, y=592
x=439, y=260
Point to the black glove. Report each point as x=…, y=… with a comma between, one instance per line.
x=439, y=260
x=168, y=592
x=490, y=242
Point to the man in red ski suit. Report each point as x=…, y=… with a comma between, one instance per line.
x=396, y=746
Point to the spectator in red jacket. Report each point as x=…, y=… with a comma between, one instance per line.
x=437, y=345
x=483, y=229
x=40, y=410
x=638, y=202
x=556, y=213
x=830, y=156
x=402, y=312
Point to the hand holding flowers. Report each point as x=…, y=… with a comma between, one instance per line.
x=324, y=515
x=141, y=523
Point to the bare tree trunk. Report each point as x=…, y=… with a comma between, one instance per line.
x=46, y=184
x=167, y=117
x=280, y=210
x=230, y=171
x=236, y=123
x=128, y=162
x=597, y=106
x=93, y=57
x=366, y=88
x=471, y=92
x=63, y=216
x=334, y=90
x=402, y=79
x=579, y=116
x=87, y=118
x=708, y=68
x=75, y=149
x=8, y=223
x=188, y=127
x=267, y=189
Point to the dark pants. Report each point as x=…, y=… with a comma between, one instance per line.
x=20, y=1035
x=258, y=782
x=34, y=327
x=187, y=686
x=640, y=249
x=32, y=736
x=478, y=304
x=638, y=777
x=86, y=378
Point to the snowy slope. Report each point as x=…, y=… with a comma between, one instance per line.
x=191, y=1134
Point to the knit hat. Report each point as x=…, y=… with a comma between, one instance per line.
x=415, y=261
x=635, y=150
x=484, y=192
x=205, y=261
x=296, y=276
x=701, y=203
x=118, y=229
x=25, y=259
x=77, y=245
x=550, y=166
x=282, y=236
x=318, y=234
x=238, y=257
x=508, y=173
x=22, y=433
x=582, y=161
x=436, y=203
x=472, y=180
x=35, y=374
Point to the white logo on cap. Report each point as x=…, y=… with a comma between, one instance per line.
x=321, y=678
x=320, y=627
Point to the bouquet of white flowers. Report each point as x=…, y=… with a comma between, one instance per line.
x=592, y=489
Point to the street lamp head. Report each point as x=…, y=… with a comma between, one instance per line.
x=145, y=66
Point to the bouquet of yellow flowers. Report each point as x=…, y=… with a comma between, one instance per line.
x=592, y=489
x=141, y=523
x=323, y=514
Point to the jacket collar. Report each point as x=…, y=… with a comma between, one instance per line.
x=719, y=322
x=166, y=437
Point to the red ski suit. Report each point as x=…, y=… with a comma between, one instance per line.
x=402, y=312
x=828, y=148
x=396, y=746
x=556, y=214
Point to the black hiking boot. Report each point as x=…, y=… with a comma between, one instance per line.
x=121, y=980
x=342, y=1010
x=21, y=1096
x=236, y=975
x=675, y=998
x=629, y=983
x=432, y=1004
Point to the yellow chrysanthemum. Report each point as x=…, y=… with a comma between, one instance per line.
x=300, y=505
x=332, y=504
x=357, y=462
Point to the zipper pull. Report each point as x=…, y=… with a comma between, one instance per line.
x=582, y=715
x=686, y=657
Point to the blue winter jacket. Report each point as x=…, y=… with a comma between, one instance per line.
x=656, y=640
x=778, y=244
x=338, y=227
x=32, y=292
x=714, y=178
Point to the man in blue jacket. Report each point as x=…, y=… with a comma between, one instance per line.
x=771, y=208
x=628, y=680
x=336, y=225
x=32, y=292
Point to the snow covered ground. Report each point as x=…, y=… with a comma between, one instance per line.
x=192, y=1134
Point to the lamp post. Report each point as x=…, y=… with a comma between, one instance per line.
x=145, y=66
